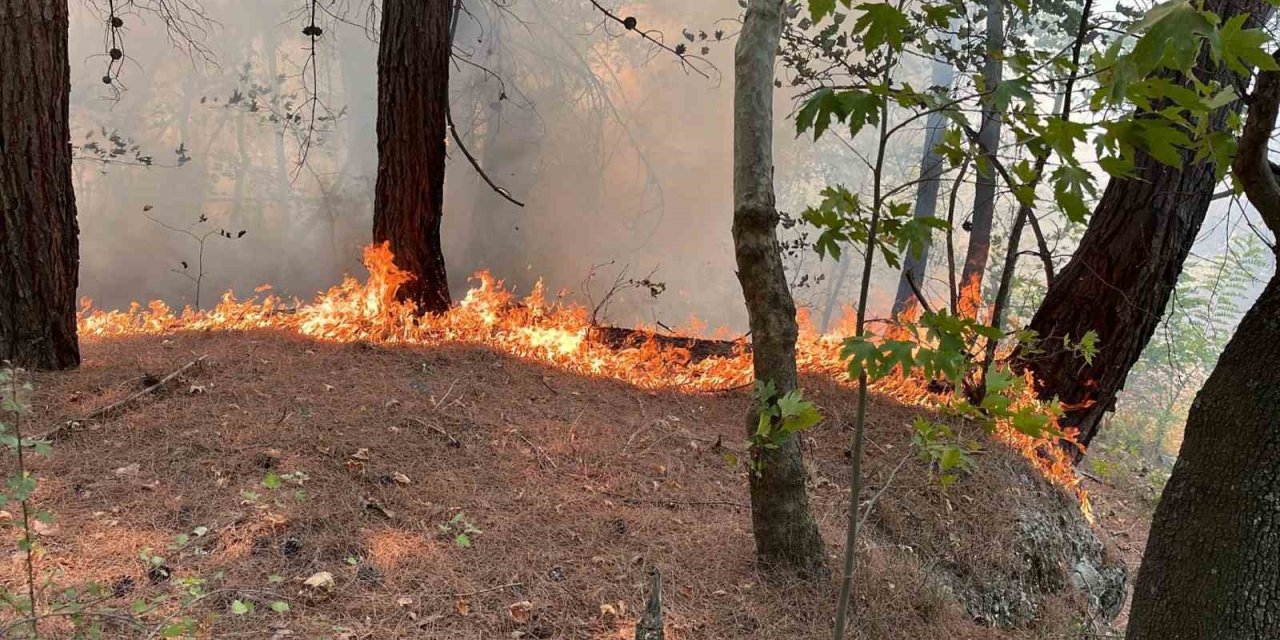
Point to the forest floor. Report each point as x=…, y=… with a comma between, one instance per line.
x=294, y=457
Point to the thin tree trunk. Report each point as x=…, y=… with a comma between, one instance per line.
x=984, y=195
x=834, y=287
x=926, y=190
x=1122, y=275
x=413, y=97
x=786, y=534
x=39, y=236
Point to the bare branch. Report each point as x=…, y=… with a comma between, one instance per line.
x=475, y=164
x=1252, y=166
x=686, y=59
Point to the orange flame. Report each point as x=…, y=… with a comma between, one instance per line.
x=531, y=327
x=969, y=301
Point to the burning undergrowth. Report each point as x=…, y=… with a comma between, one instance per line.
x=550, y=331
x=515, y=479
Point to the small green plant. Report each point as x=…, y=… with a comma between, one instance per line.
x=943, y=450
x=780, y=417
x=273, y=481
x=14, y=403
x=460, y=530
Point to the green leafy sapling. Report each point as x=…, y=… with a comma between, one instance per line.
x=780, y=417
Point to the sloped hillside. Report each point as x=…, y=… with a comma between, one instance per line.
x=453, y=492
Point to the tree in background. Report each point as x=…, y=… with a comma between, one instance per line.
x=984, y=198
x=1211, y=570
x=1121, y=277
x=785, y=532
x=926, y=205
x=39, y=236
x=413, y=102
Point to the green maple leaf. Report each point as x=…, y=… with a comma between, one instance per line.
x=1070, y=184
x=1172, y=37
x=881, y=23
x=1241, y=48
x=819, y=9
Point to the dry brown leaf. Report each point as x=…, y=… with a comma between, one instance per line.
x=321, y=581
x=463, y=606
x=608, y=612
x=400, y=478
x=521, y=611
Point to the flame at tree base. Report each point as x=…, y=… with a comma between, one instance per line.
x=554, y=332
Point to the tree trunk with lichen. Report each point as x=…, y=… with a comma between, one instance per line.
x=413, y=99
x=39, y=236
x=1126, y=267
x=786, y=534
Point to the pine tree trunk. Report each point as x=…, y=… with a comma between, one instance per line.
x=39, y=236
x=413, y=98
x=786, y=534
x=984, y=194
x=926, y=191
x=1211, y=570
x=1122, y=275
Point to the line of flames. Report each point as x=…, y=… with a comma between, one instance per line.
x=554, y=332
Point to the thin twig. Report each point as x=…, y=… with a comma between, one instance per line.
x=915, y=288
x=542, y=454
x=475, y=164
x=453, y=442
x=509, y=585
x=672, y=503
x=866, y=512
x=629, y=23
x=116, y=406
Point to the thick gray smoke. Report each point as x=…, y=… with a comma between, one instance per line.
x=621, y=154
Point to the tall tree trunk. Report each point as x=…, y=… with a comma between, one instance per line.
x=926, y=190
x=984, y=194
x=1126, y=267
x=1211, y=570
x=413, y=97
x=786, y=534
x=39, y=236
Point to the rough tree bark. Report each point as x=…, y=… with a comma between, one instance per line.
x=984, y=194
x=786, y=534
x=926, y=190
x=1211, y=570
x=413, y=97
x=1122, y=275
x=39, y=236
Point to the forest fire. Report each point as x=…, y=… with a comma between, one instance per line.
x=533, y=327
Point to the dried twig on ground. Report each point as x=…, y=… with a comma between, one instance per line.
x=114, y=407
